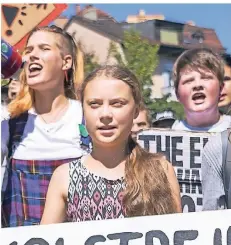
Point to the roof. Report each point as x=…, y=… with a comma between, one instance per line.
x=115, y=31
x=210, y=37
x=104, y=27
x=184, y=33
x=100, y=14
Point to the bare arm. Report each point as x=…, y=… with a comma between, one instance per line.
x=174, y=185
x=55, y=206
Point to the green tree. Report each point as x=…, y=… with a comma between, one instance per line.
x=4, y=82
x=90, y=63
x=162, y=104
x=141, y=57
x=90, y=59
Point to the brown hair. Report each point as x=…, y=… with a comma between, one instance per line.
x=148, y=114
x=24, y=101
x=147, y=191
x=196, y=59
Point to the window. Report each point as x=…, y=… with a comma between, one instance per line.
x=167, y=76
x=198, y=36
x=169, y=36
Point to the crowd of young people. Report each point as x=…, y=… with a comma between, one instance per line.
x=70, y=141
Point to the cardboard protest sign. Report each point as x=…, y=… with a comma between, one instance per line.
x=19, y=19
x=184, y=150
x=203, y=228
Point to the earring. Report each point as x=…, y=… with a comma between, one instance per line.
x=66, y=76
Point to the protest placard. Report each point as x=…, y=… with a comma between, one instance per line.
x=184, y=150
x=203, y=228
x=19, y=19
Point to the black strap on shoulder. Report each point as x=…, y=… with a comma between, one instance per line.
x=16, y=129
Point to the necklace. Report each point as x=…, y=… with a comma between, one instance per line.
x=56, y=115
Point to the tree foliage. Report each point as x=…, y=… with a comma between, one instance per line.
x=90, y=63
x=4, y=82
x=162, y=104
x=141, y=57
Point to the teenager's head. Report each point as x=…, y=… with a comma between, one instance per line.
x=13, y=89
x=143, y=121
x=198, y=78
x=53, y=62
x=111, y=97
x=225, y=98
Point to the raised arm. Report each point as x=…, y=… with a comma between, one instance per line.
x=55, y=206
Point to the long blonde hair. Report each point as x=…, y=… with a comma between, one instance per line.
x=25, y=99
x=147, y=191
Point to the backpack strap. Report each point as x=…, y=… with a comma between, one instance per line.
x=226, y=164
x=16, y=129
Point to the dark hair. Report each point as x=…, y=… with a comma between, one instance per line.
x=196, y=59
x=147, y=191
x=227, y=59
x=148, y=114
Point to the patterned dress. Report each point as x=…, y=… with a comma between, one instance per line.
x=91, y=197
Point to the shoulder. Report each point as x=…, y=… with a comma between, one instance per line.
x=164, y=163
x=212, y=153
x=227, y=118
x=173, y=182
x=224, y=123
x=65, y=170
x=178, y=125
x=61, y=171
x=76, y=110
x=60, y=178
x=214, y=144
x=167, y=166
x=76, y=104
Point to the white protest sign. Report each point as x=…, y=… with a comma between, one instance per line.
x=184, y=150
x=202, y=228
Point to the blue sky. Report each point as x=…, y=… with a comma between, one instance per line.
x=215, y=16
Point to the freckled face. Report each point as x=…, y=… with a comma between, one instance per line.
x=198, y=91
x=109, y=110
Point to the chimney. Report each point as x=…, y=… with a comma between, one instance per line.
x=191, y=23
x=78, y=8
x=141, y=12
